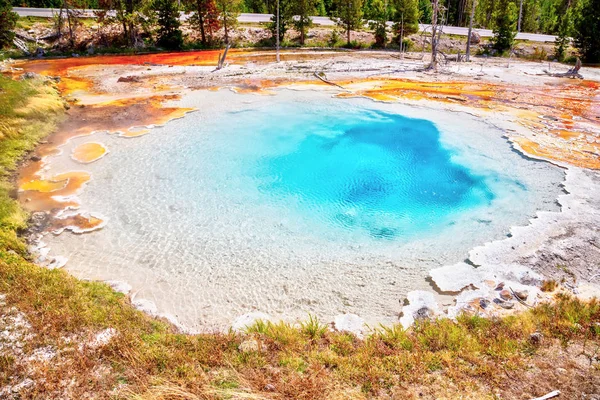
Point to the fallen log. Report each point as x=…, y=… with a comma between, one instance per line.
x=451, y=57
x=25, y=37
x=548, y=396
x=519, y=299
x=571, y=73
x=21, y=46
x=50, y=36
x=318, y=75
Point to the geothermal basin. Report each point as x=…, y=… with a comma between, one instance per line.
x=295, y=203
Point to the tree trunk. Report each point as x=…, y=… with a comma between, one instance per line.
x=348, y=21
x=66, y=6
x=468, y=58
x=225, y=26
x=130, y=28
x=200, y=12
x=434, y=30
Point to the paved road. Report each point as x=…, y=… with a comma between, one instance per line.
x=325, y=21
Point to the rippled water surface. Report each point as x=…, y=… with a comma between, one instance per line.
x=381, y=174
x=298, y=203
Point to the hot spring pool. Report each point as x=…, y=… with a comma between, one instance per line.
x=298, y=203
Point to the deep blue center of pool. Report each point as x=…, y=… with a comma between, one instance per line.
x=384, y=174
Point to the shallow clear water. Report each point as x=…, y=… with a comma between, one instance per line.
x=298, y=203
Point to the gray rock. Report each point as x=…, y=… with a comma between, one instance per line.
x=29, y=75
x=475, y=38
x=521, y=294
x=269, y=388
x=505, y=295
x=421, y=305
x=504, y=304
x=507, y=305
x=536, y=338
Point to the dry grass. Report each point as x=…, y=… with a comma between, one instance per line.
x=148, y=359
x=549, y=285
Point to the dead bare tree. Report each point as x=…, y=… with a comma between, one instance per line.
x=437, y=27
x=221, y=63
x=434, y=28
x=473, y=5
x=71, y=15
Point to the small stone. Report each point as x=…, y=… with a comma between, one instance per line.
x=249, y=345
x=561, y=371
x=484, y=303
x=505, y=295
x=129, y=78
x=521, y=294
x=475, y=38
x=504, y=304
x=269, y=388
x=35, y=158
x=28, y=75
x=536, y=338
x=507, y=305
x=499, y=286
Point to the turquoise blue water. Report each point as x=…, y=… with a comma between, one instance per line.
x=383, y=174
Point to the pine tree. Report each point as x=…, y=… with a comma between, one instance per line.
x=228, y=10
x=169, y=34
x=405, y=17
x=377, y=14
x=587, y=31
x=303, y=9
x=564, y=34
x=506, y=25
x=204, y=18
x=8, y=20
x=286, y=14
x=425, y=10
x=349, y=15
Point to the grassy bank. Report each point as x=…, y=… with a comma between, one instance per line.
x=148, y=359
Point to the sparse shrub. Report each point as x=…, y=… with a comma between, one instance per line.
x=334, y=39
x=395, y=336
x=313, y=328
x=259, y=326
x=549, y=285
x=539, y=53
